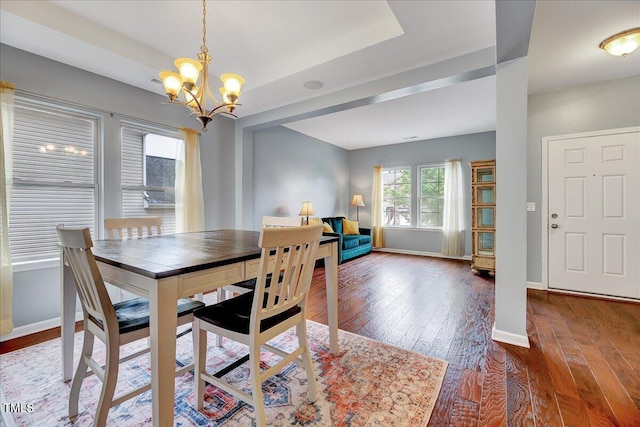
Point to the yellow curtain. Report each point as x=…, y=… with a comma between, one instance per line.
x=189, y=197
x=377, y=223
x=6, y=180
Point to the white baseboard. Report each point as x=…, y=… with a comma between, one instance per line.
x=421, y=253
x=32, y=328
x=536, y=285
x=590, y=295
x=509, y=338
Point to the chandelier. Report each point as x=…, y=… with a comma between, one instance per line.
x=196, y=96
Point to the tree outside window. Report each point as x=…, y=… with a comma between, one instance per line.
x=431, y=196
x=397, y=196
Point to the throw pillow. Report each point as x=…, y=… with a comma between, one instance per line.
x=326, y=228
x=350, y=227
x=314, y=221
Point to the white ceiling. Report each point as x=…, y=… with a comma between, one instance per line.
x=279, y=45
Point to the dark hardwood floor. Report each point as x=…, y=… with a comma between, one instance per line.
x=583, y=367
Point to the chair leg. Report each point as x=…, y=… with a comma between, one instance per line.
x=221, y=296
x=108, y=385
x=199, y=362
x=81, y=372
x=301, y=329
x=256, y=386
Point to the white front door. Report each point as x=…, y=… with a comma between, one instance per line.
x=594, y=213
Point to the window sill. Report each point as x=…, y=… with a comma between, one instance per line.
x=438, y=230
x=19, y=267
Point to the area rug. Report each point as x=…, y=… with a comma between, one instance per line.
x=366, y=383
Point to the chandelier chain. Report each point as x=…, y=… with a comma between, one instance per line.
x=204, y=26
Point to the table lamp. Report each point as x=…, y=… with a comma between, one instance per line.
x=307, y=210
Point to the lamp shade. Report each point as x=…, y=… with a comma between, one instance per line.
x=232, y=82
x=356, y=200
x=231, y=86
x=307, y=209
x=189, y=69
x=172, y=82
x=191, y=97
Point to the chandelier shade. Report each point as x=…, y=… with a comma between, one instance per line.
x=191, y=81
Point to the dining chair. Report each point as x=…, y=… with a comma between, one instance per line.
x=137, y=227
x=256, y=317
x=114, y=324
x=121, y=228
x=130, y=228
x=250, y=284
x=281, y=221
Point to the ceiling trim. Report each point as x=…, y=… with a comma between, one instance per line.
x=475, y=65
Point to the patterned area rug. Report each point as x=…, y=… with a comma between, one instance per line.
x=366, y=383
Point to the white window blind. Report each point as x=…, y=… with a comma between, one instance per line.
x=55, y=179
x=148, y=177
x=132, y=156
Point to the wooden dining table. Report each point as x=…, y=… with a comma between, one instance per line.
x=168, y=267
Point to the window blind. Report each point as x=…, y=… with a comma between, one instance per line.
x=55, y=180
x=132, y=150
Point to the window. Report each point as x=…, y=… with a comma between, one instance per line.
x=431, y=196
x=397, y=196
x=148, y=174
x=54, y=177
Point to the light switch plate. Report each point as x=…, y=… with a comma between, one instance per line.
x=531, y=206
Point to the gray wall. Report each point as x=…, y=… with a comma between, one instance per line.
x=480, y=146
x=217, y=153
x=50, y=79
x=606, y=105
x=290, y=168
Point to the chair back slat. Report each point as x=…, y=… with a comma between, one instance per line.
x=76, y=244
x=294, y=251
x=300, y=260
x=130, y=228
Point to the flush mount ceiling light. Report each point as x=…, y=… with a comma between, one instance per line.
x=622, y=43
x=196, y=95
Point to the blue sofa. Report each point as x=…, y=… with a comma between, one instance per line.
x=349, y=245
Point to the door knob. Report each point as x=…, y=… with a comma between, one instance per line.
x=554, y=225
